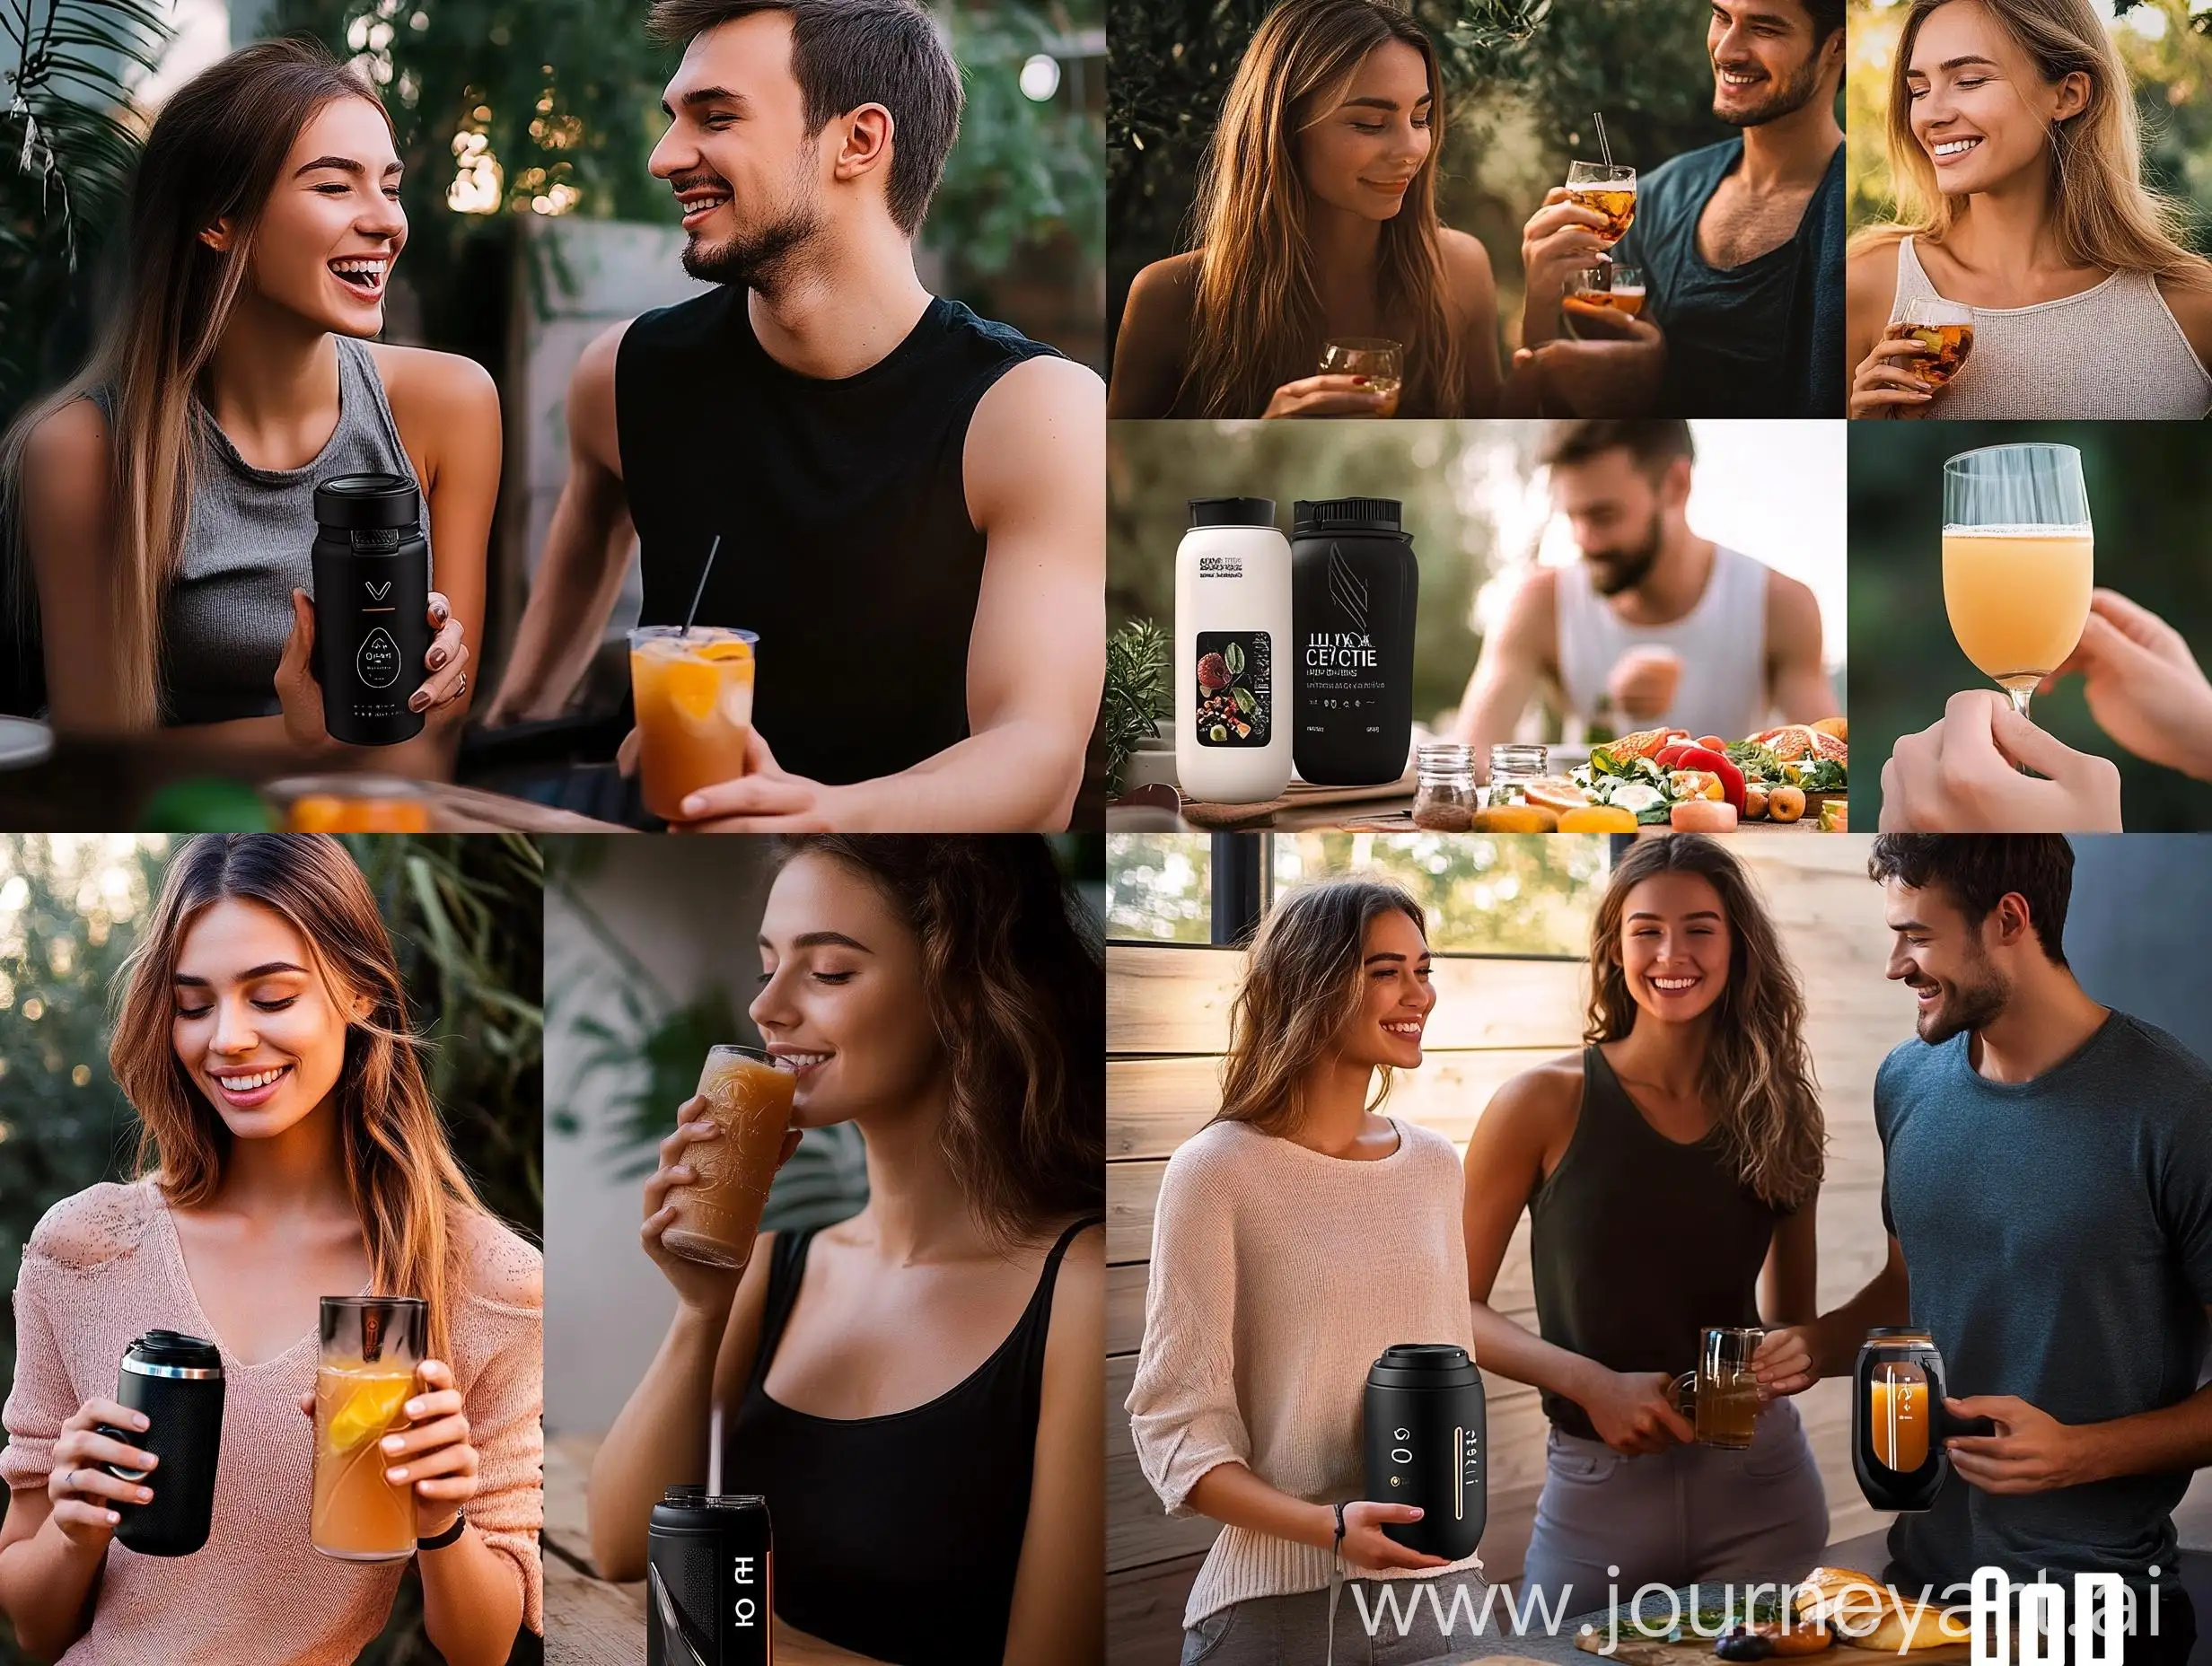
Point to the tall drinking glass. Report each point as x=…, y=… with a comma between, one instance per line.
x=371, y=1345
x=2017, y=560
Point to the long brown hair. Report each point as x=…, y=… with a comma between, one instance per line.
x=2101, y=213
x=406, y=1185
x=213, y=153
x=1302, y=985
x=1016, y=986
x=1757, y=1070
x=1257, y=321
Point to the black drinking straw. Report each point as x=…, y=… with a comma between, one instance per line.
x=701, y=591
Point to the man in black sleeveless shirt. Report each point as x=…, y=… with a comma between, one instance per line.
x=909, y=498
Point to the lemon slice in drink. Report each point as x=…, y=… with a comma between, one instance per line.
x=369, y=1410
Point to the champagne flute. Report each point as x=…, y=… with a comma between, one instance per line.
x=1605, y=187
x=1380, y=361
x=2017, y=569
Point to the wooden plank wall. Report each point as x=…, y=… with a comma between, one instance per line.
x=1167, y=1022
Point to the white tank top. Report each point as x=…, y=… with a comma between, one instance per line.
x=2113, y=353
x=1722, y=643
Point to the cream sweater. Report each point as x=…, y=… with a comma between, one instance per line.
x=1278, y=1276
x=103, y=1267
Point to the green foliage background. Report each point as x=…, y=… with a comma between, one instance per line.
x=466, y=915
x=2146, y=499
x=2173, y=77
x=1529, y=894
x=1154, y=469
x=1522, y=78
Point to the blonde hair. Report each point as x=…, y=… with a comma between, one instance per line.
x=406, y=1185
x=2102, y=213
x=1757, y=1070
x=214, y=153
x=1302, y=985
x=1257, y=314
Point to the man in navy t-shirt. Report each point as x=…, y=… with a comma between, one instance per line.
x=1739, y=244
x=2047, y=1189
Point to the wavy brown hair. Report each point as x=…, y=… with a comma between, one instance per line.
x=1757, y=1070
x=214, y=153
x=1256, y=312
x=1015, y=980
x=406, y=1184
x=2102, y=212
x=1302, y=985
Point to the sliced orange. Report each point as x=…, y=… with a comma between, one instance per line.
x=693, y=687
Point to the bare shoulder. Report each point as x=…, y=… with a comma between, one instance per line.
x=1533, y=607
x=66, y=453
x=1165, y=293
x=502, y=1269
x=2190, y=300
x=422, y=375
x=1870, y=275
x=1791, y=602
x=1466, y=270
x=92, y=1227
x=1535, y=1103
x=1079, y=1292
x=1046, y=389
x=1036, y=444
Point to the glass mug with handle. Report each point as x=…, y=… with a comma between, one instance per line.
x=1383, y=363
x=1721, y=1395
x=2017, y=561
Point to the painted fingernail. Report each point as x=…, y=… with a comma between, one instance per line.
x=436, y=659
x=421, y=702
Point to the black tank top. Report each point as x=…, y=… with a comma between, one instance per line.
x=1639, y=1243
x=897, y=1537
x=846, y=537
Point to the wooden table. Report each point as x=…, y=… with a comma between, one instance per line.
x=590, y=1621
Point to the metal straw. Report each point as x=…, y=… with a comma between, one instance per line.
x=701, y=591
x=1604, y=150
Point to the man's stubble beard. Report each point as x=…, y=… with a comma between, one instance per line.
x=1793, y=96
x=1970, y=1006
x=766, y=257
x=1614, y=574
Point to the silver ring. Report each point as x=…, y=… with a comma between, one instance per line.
x=75, y=1472
x=461, y=684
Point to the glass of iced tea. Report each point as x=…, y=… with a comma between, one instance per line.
x=1721, y=1397
x=749, y=1096
x=1596, y=293
x=1605, y=187
x=1380, y=361
x=371, y=1345
x=694, y=695
x=1944, y=328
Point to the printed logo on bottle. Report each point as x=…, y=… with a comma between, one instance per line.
x=1236, y=688
x=378, y=663
x=1343, y=670
x=377, y=592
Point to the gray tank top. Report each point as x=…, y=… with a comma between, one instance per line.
x=246, y=545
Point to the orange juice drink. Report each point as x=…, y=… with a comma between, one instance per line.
x=1899, y=1421
x=357, y=1515
x=748, y=1096
x=694, y=695
x=2017, y=597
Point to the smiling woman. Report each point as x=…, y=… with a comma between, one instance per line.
x=2023, y=207
x=164, y=498
x=290, y=1157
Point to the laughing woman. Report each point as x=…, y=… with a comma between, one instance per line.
x=1316, y=218
x=2012, y=137
x=1693, y=1101
x=288, y=1151
x=165, y=497
x=1298, y=1235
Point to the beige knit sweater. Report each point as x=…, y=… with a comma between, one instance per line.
x=1278, y=1276
x=104, y=1266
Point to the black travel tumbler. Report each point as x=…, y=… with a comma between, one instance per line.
x=177, y=1381
x=1899, y=1421
x=710, y=1592
x=1423, y=1422
x=371, y=606
x=1354, y=589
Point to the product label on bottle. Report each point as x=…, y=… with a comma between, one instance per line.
x=378, y=662
x=1236, y=688
x=1343, y=669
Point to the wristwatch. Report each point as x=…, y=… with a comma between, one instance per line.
x=438, y=1541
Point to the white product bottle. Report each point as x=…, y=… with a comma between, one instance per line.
x=1233, y=725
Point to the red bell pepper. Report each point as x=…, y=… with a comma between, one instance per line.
x=1731, y=777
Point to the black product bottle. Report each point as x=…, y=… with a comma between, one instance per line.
x=1897, y=1422
x=1423, y=1419
x=710, y=1588
x=1355, y=586
x=371, y=606
x=177, y=1381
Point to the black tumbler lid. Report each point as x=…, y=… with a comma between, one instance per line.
x=1898, y=1331
x=1423, y=1365
x=175, y=1348
x=694, y=1508
x=1346, y=514
x=1233, y=512
x=366, y=503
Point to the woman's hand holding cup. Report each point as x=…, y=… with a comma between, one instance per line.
x=80, y=1493
x=1365, y=1545
x=698, y=1285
